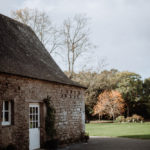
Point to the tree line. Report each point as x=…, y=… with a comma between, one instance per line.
x=134, y=91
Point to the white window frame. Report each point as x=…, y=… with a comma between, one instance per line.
x=5, y=123
x=38, y=106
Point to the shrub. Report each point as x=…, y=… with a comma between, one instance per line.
x=120, y=119
x=50, y=118
x=129, y=119
x=84, y=137
x=134, y=118
x=137, y=118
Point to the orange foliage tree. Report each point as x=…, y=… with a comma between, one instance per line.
x=109, y=103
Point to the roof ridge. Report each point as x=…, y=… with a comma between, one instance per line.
x=14, y=20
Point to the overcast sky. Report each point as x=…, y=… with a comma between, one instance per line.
x=119, y=28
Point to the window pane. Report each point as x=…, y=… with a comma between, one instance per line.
x=6, y=105
x=6, y=116
x=36, y=110
x=2, y=115
x=36, y=117
x=30, y=110
x=31, y=125
x=36, y=124
x=30, y=117
x=33, y=117
x=33, y=109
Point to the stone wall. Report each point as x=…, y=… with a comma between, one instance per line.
x=67, y=100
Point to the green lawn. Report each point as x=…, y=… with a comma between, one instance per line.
x=130, y=130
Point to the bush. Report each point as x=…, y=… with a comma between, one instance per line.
x=134, y=118
x=84, y=137
x=50, y=118
x=120, y=119
x=129, y=119
x=137, y=118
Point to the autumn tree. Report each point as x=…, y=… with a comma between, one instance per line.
x=75, y=37
x=109, y=103
x=41, y=25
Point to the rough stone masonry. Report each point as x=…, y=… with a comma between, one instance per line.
x=67, y=100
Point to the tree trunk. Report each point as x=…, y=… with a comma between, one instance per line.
x=69, y=70
x=128, y=110
x=72, y=64
x=99, y=117
x=113, y=116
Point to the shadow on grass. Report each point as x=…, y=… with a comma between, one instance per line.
x=136, y=136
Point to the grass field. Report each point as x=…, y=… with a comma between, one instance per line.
x=130, y=130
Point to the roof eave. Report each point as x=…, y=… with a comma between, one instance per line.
x=79, y=86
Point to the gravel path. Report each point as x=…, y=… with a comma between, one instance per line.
x=105, y=143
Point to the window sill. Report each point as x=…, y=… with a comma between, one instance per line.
x=6, y=126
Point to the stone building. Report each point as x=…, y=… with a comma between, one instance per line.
x=28, y=74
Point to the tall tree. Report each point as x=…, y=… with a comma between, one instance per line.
x=109, y=103
x=130, y=86
x=75, y=35
x=146, y=90
x=41, y=25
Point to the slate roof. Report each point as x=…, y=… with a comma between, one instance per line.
x=22, y=53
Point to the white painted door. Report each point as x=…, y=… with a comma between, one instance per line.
x=34, y=124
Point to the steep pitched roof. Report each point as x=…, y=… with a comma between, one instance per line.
x=22, y=53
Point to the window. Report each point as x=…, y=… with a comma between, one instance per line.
x=6, y=113
x=34, y=116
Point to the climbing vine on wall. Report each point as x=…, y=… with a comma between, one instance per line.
x=50, y=118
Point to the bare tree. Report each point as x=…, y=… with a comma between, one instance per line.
x=41, y=25
x=76, y=41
